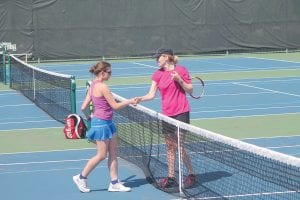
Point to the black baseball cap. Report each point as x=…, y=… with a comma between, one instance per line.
x=161, y=51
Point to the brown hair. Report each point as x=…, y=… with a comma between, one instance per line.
x=99, y=67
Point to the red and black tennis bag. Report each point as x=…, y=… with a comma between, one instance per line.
x=75, y=127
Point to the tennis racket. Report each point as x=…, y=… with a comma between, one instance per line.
x=198, y=88
x=90, y=107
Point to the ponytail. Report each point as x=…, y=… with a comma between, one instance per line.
x=173, y=59
x=99, y=67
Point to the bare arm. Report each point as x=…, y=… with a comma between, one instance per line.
x=111, y=100
x=150, y=95
x=186, y=86
x=85, y=105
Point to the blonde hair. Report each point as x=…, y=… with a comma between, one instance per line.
x=99, y=67
x=173, y=59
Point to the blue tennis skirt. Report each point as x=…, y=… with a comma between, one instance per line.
x=101, y=129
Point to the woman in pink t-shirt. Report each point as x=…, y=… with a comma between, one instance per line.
x=103, y=130
x=173, y=82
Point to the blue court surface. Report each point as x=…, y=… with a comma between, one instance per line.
x=48, y=175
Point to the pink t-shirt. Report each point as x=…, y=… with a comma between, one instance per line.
x=102, y=109
x=173, y=97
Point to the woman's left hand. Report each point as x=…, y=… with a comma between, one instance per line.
x=175, y=76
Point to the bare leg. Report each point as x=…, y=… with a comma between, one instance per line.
x=113, y=158
x=102, y=147
x=171, y=154
x=172, y=146
x=185, y=156
x=115, y=185
x=187, y=161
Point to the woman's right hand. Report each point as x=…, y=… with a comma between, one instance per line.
x=133, y=101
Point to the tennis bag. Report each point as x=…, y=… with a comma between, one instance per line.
x=75, y=127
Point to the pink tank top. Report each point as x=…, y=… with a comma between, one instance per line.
x=102, y=109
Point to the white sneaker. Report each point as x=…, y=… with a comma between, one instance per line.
x=81, y=184
x=118, y=187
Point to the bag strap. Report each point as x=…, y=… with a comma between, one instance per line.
x=77, y=123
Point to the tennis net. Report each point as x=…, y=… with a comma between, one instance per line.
x=52, y=92
x=225, y=168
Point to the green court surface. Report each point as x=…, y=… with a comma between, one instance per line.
x=38, y=140
x=253, y=126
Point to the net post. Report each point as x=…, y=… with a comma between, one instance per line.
x=179, y=160
x=6, y=67
x=3, y=65
x=73, y=94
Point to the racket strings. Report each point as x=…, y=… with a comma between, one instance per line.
x=198, y=87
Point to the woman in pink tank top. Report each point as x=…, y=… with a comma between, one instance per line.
x=103, y=130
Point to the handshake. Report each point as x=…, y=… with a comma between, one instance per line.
x=136, y=100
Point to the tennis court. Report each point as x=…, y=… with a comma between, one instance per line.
x=244, y=88
x=255, y=98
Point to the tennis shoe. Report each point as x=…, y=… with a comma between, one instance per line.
x=118, y=187
x=190, y=180
x=81, y=184
x=168, y=182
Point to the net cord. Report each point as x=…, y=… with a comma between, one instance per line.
x=42, y=70
x=267, y=153
x=23, y=54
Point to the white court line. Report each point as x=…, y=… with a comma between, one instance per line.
x=8, y=92
x=210, y=82
x=244, y=69
x=236, y=94
x=265, y=89
x=16, y=105
x=267, y=80
x=246, y=109
x=279, y=147
x=235, y=196
x=22, y=118
x=242, y=116
x=26, y=129
x=42, y=162
x=273, y=137
x=278, y=60
x=44, y=170
x=30, y=121
x=61, y=169
x=142, y=64
x=102, y=165
x=121, y=77
x=49, y=151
